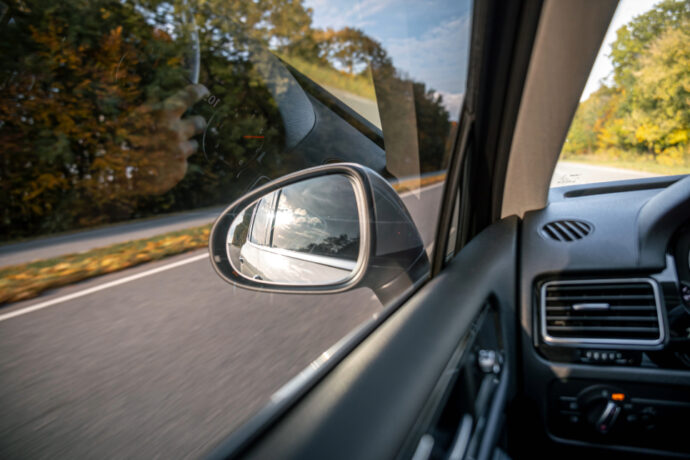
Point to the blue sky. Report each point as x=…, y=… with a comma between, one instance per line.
x=427, y=39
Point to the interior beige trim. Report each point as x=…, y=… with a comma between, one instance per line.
x=568, y=38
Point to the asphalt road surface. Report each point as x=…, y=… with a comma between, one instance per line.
x=162, y=360
x=569, y=173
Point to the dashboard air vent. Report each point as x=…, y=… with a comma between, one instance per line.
x=566, y=230
x=624, y=311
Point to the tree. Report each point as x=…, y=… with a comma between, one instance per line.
x=433, y=127
x=92, y=96
x=350, y=49
x=587, y=123
x=661, y=114
x=633, y=38
x=87, y=93
x=647, y=109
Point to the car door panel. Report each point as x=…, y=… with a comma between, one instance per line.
x=369, y=405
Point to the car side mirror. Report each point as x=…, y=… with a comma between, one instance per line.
x=321, y=230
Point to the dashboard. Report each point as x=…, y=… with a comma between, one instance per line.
x=605, y=315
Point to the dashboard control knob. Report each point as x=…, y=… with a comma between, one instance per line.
x=602, y=405
x=608, y=417
x=685, y=292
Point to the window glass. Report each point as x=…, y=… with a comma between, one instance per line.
x=127, y=127
x=633, y=120
x=306, y=220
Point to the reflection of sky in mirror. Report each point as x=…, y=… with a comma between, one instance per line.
x=427, y=39
x=316, y=211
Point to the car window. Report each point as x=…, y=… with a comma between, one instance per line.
x=127, y=127
x=633, y=121
x=263, y=220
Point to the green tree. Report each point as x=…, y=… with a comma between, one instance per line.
x=586, y=127
x=350, y=48
x=647, y=109
x=660, y=117
x=633, y=38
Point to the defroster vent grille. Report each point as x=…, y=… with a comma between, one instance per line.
x=566, y=230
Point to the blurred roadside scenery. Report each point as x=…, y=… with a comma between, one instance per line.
x=27, y=280
x=640, y=118
x=92, y=93
x=101, y=123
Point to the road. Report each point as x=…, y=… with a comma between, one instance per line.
x=570, y=173
x=365, y=107
x=165, y=359
x=43, y=248
x=160, y=362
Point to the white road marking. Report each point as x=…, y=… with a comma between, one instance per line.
x=100, y=287
x=423, y=189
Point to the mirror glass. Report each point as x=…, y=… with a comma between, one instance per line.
x=306, y=233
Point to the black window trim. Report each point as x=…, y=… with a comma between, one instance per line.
x=479, y=158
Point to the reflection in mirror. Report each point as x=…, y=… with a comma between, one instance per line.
x=306, y=233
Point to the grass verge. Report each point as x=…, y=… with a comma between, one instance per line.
x=24, y=281
x=325, y=76
x=406, y=185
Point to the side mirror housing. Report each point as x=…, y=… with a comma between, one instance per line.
x=321, y=230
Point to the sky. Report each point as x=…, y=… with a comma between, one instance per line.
x=427, y=39
x=603, y=69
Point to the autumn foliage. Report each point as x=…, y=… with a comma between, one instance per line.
x=644, y=113
x=88, y=129
x=21, y=282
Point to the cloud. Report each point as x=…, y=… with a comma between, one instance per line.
x=367, y=8
x=438, y=57
x=329, y=13
x=452, y=103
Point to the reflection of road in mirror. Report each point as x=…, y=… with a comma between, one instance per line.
x=306, y=233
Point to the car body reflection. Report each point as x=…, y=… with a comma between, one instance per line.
x=303, y=234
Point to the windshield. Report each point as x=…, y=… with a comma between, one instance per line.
x=633, y=120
